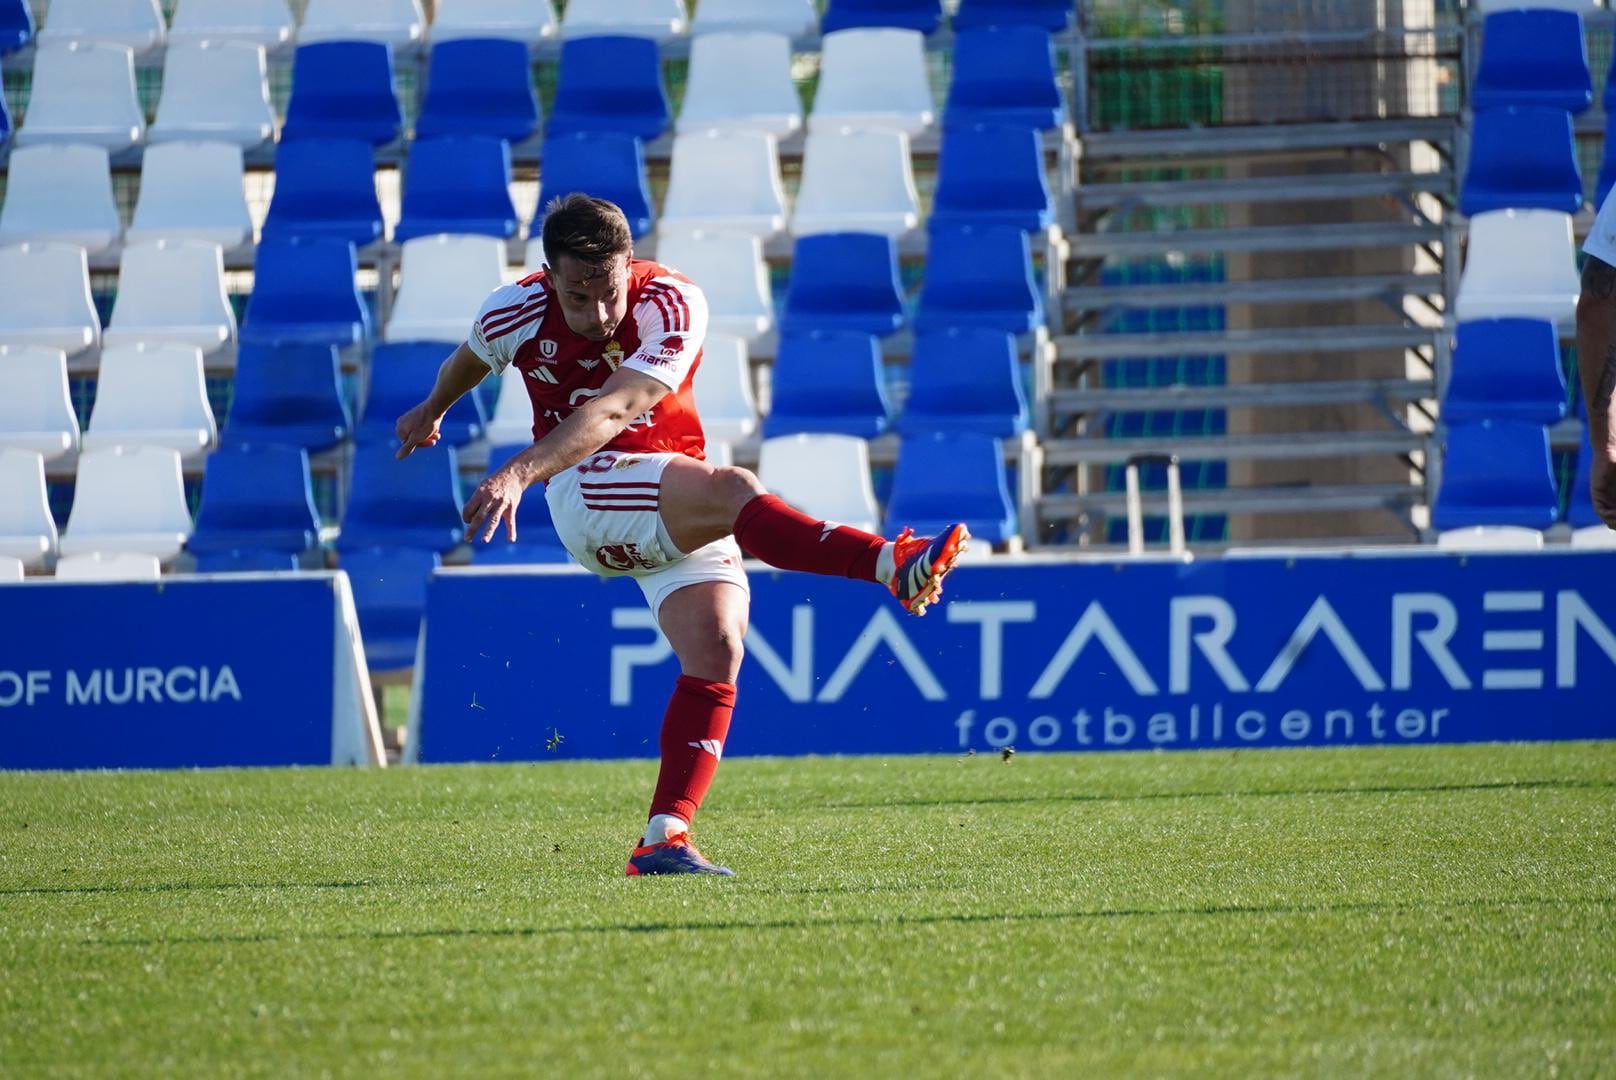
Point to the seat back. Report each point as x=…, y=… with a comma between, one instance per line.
x=1533, y=56
x=1496, y=472
x=172, y=291
x=16, y=24
x=304, y=290
x=84, y=92
x=46, y=300
x=526, y=21
x=108, y=566
x=610, y=83
x=921, y=15
x=661, y=19
x=60, y=193
x=27, y=530
x=730, y=270
x=343, y=90
x=479, y=86
x=401, y=374
x=288, y=394
x=134, y=24
x=151, y=395
x=216, y=90
x=605, y=164
x=414, y=502
x=1523, y=158
x=123, y=491
x=1581, y=513
x=1004, y=75
x=741, y=80
x=387, y=22
x=1055, y=16
x=512, y=421
x=192, y=191
x=991, y=174
x=262, y=22
x=824, y=476
x=256, y=497
x=1505, y=369
x=980, y=275
x=1519, y=263
x=325, y=187
x=965, y=379
x=856, y=180
x=457, y=184
x=942, y=478
x=36, y=408
x=536, y=536
x=723, y=389
x=725, y=179
x=873, y=77
x=828, y=382
x=389, y=590
x=789, y=18
x=443, y=280
x=844, y=281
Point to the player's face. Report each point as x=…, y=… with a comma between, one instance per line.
x=594, y=299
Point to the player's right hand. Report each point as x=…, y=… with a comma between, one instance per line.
x=1603, y=477
x=494, y=501
x=418, y=427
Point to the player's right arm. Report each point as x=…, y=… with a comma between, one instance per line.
x=457, y=377
x=1596, y=357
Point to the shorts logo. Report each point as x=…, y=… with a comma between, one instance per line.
x=622, y=557
x=627, y=462
x=547, y=349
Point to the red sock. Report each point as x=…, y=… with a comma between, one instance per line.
x=693, y=731
x=768, y=529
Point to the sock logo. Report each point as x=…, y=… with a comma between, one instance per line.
x=714, y=747
x=826, y=528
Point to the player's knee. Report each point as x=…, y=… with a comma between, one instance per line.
x=719, y=655
x=737, y=486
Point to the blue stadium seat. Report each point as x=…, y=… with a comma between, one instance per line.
x=828, y=383
x=605, y=164
x=5, y=117
x=990, y=175
x=289, y=395
x=457, y=184
x=536, y=539
x=410, y=503
x=922, y=15
x=1533, y=57
x=256, y=497
x=325, y=187
x=844, y=281
x=1496, y=472
x=389, y=589
x=16, y=25
x=979, y=276
x=304, y=292
x=1004, y=75
x=610, y=83
x=944, y=478
x=1054, y=16
x=965, y=379
x=1581, y=514
x=248, y=561
x=1506, y=369
x=343, y=90
x=1522, y=158
x=479, y=86
x=401, y=374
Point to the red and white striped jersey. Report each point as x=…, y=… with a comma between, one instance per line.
x=661, y=336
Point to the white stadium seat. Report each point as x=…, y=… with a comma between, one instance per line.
x=61, y=193
x=856, y=180
x=533, y=259
x=793, y=18
x=722, y=179
x=46, y=300
x=11, y=570
x=1596, y=537
x=660, y=19
x=530, y=21
x=216, y=91
x=512, y=421
x=128, y=498
x=135, y=24
x=263, y=22
x=27, y=531
x=873, y=78
x=109, y=566
x=730, y=269
x=36, y=407
x=1491, y=538
x=192, y=191
x=172, y=291
x=741, y=81
x=824, y=476
x=391, y=22
x=1520, y=263
x=84, y=92
x=151, y=395
x=723, y=389
x=443, y=280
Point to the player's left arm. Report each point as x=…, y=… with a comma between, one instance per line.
x=1596, y=355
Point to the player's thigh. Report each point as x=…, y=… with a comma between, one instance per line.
x=699, y=503
x=705, y=622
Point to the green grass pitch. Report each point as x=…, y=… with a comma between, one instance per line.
x=1429, y=911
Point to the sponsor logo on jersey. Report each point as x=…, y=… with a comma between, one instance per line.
x=543, y=375
x=613, y=355
x=622, y=557
x=589, y=363
x=673, y=346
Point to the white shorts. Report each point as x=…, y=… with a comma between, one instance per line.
x=606, y=512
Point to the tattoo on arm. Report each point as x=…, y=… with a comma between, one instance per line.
x=1598, y=279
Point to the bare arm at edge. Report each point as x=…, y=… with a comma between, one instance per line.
x=1596, y=357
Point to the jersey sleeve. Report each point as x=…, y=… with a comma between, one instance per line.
x=506, y=307
x=672, y=317
x=1601, y=240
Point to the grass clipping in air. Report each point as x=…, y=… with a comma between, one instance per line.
x=1432, y=910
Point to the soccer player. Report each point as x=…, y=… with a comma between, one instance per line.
x=1596, y=355
x=607, y=345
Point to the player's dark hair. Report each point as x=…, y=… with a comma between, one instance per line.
x=590, y=230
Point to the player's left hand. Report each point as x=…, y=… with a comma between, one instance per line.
x=495, y=499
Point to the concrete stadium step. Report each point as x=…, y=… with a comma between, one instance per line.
x=1290, y=499
x=1261, y=238
x=1245, y=395
x=1277, y=291
x=1075, y=452
x=1266, y=189
x=1265, y=138
x=1306, y=339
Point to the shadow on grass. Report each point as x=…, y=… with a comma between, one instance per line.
x=889, y=922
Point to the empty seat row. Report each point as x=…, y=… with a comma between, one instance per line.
x=1498, y=488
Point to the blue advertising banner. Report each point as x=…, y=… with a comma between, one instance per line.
x=188, y=671
x=1234, y=652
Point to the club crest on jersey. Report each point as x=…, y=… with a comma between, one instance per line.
x=613, y=355
x=547, y=349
